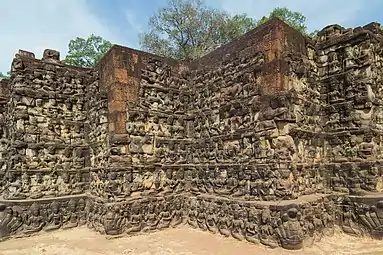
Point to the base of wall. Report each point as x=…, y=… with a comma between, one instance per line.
x=291, y=224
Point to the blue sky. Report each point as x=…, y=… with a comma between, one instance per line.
x=35, y=25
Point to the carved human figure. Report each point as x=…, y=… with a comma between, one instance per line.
x=328, y=215
x=350, y=57
x=34, y=221
x=135, y=221
x=5, y=218
x=238, y=224
x=82, y=212
x=55, y=218
x=334, y=63
x=64, y=188
x=164, y=215
x=179, y=176
x=200, y=183
x=240, y=190
x=167, y=182
x=137, y=186
x=192, y=214
x=14, y=187
x=15, y=224
x=224, y=222
x=219, y=182
x=367, y=148
x=267, y=234
x=354, y=180
x=113, y=221
x=25, y=183
x=49, y=184
x=290, y=231
x=151, y=218
x=127, y=185
x=111, y=185
x=71, y=218
x=177, y=213
x=251, y=226
x=78, y=186
x=211, y=217
x=91, y=213
x=209, y=182
x=348, y=219
x=201, y=216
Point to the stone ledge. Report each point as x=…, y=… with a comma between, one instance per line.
x=42, y=200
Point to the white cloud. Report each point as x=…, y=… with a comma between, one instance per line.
x=319, y=13
x=39, y=24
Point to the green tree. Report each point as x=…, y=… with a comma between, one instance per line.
x=86, y=52
x=2, y=75
x=188, y=29
x=295, y=19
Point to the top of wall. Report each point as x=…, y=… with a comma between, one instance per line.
x=51, y=57
x=258, y=39
x=335, y=34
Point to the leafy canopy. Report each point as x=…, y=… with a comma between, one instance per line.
x=86, y=52
x=188, y=29
x=3, y=76
x=184, y=30
x=295, y=19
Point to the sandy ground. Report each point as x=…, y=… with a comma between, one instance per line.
x=181, y=241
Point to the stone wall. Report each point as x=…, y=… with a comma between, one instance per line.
x=48, y=152
x=273, y=138
x=349, y=76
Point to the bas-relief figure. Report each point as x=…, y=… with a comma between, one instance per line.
x=206, y=144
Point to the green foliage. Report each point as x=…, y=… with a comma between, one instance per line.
x=188, y=29
x=295, y=19
x=86, y=52
x=2, y=75
x=313, y=33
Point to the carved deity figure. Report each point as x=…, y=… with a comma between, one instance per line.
x=113, y=221
x=367, y=148
x=192, y=214
x=151, y=218
x=201, y=216
x=5, y=218
x=111, y=186
x=63, y=185
x=14, y=189
x=177, y=213
x=135, y=221
x=164, y=215
x=78, y=186
x=224, y=222
x=25, y=183
x=55, y=218
x=238, y=224
x=251, y=226
x=290, y=231
x=71, y=218
x=211, y=217
x=348, y=219
x=267, y=233
x=82, y=212
x=34, y=221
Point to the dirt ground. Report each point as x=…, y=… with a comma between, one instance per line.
x=181, y=241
